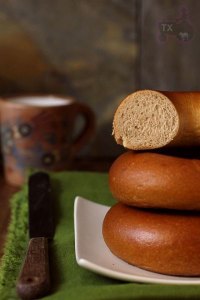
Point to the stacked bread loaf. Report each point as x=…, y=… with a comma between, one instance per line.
x=156, y=223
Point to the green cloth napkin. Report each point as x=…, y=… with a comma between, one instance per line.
x=70, y=281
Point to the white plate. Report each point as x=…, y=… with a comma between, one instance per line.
x=93, y=254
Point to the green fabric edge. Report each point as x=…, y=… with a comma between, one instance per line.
x=17, y=234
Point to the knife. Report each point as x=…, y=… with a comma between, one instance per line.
x=34, y=278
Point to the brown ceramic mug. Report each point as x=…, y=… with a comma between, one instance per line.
x=38, y=132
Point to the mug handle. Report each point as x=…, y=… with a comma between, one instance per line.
x=88, y=128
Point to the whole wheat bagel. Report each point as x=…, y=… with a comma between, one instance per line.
x=150, y=119
x=166, y=242
x=156, y=180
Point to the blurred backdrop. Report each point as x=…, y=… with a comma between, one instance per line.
x=170, y=45
x=98, y=51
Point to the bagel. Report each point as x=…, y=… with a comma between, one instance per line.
x=161, y=241
x=148, y=119
x=155, y=180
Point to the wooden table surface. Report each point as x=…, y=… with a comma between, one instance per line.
x=6, y=191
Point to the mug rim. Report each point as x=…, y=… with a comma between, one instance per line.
x=6, y=100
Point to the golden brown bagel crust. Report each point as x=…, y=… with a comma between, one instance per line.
x=156, y=180
x=187, y=105
x=166, y=242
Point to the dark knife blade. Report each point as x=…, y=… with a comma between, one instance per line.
x=34, y=278
x=41, y=222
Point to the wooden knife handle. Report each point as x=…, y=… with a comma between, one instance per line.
x=34, y=279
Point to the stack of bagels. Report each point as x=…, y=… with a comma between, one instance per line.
x=155, y=224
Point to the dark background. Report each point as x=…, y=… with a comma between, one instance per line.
x=98, y=51
x=170, y=59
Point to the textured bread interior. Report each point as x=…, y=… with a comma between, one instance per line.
x=145, y=120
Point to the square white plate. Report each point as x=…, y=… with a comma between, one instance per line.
x=93, y=254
